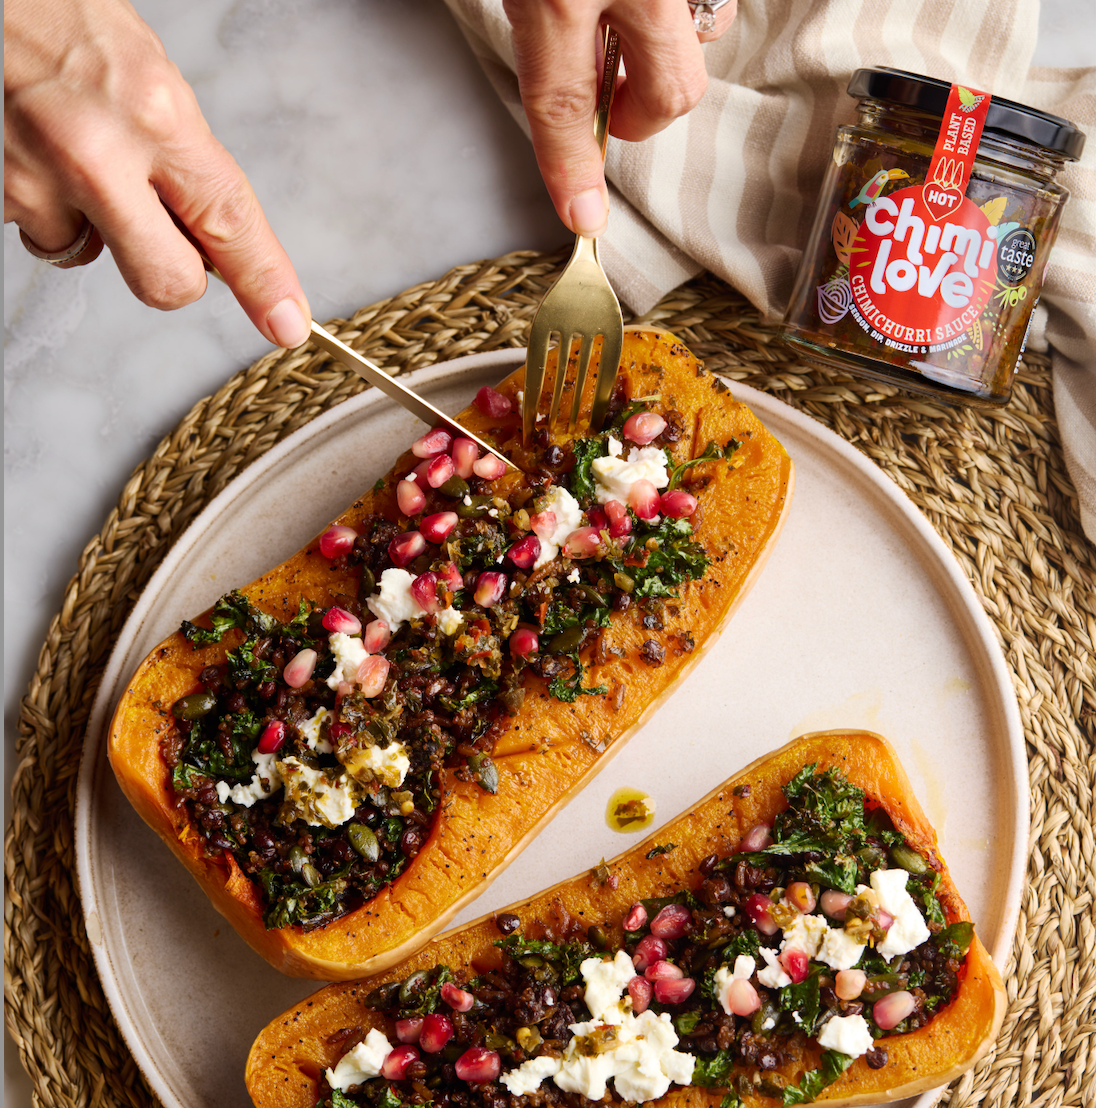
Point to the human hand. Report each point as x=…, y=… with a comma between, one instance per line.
x=555, y=44
x=100, y=127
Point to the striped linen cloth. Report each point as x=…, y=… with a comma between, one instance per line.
x=731, y=187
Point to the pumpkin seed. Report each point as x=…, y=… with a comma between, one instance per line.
x=908, y=859
x=194, y=706
x=363, y=841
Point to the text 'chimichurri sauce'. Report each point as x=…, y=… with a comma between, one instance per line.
x=932, y=237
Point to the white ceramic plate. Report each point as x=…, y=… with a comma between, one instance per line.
x=862, y=618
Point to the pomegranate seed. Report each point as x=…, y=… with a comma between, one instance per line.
x=418, y=474
x=636, y=918
x=339, y=619
x=405, y=548
x=834, y=903
x=759, y=909
x=436, y=528
x=339, y=730
x=477, y=1064
x=424, y=589
x=490, y=588
x=596, y=517
x=620, y=523
x=270, y=741
x=543, y=524
x=432, y=443
x=489, y=467
x=757, y=838
x=742, y=998
x=884, y=918
x=677, y=504
x=410, y=498
x=640, y=990
x=524, y=552
x=524, y=642
x=465, y=452
x=451, y=576
x=649, y=949
x=796, y=964
x=439, y=471
x=892, y=1009
x=394, y=1067
x=643, y=499
x=583, y=543
x=407, y=1031
x=663, y=971
x=372, y=675
x=849, y=983
x=801, y=895
x=337, y=540
x=437, y=1030
x=492, y=403
x=376, y=636
x=458, y=999
x=674, y=991
x=300, y=668
x=672, y=922
x=643, y=427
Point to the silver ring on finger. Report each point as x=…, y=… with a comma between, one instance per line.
x=69, y=253
x=704, y=14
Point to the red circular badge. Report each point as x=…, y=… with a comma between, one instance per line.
x=923, y=265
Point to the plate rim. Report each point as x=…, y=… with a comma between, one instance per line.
x=978, y=630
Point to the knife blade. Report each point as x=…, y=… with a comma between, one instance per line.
x=392, y=388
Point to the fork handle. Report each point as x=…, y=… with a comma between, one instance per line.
x=611, y=50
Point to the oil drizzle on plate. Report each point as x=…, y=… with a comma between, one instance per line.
x=630, y=810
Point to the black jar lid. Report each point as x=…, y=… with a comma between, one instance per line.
x=1006, y=117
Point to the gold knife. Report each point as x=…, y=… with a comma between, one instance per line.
x=370, y=372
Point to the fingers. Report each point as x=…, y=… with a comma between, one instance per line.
x=555, y=44
x=98, y=123
x=555, y=47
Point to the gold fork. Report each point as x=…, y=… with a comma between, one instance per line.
x=580, y=305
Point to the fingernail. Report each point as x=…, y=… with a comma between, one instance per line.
x=287, y=324
x=589, y=213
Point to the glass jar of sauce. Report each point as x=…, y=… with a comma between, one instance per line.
x=932, y=237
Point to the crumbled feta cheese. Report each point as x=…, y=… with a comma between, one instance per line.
x=361, y=1063
x=640, y=1059
x=909, y=929
x=265, y=782
x=848, y=1034
x=388, y=764
x=769, y=1023
x=773, y=975
x=805, y=933
x=729, y=911
x=604, y=982
x=574, y=576
x=467, y=500
x=449, y=620
x=839, y=949
x=568, y=518
x=614, y=476
x=528, y=1076
x=317, y=798
x=349, y=653
x=744, y=967
x=394, y=603
x=311, y=731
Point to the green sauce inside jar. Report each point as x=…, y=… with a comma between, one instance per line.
x=906, y=281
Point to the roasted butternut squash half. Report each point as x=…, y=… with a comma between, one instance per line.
x=349, y=749
x=794, y=936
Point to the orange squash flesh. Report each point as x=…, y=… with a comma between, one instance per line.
x=550, y=750
x=287, y=1060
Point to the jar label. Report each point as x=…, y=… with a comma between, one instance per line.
x=923, y=263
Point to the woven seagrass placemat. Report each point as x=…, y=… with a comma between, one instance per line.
x=993, y=484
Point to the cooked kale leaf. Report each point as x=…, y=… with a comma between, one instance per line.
x=833, y=1066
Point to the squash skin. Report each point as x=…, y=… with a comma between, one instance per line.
x=547, y=754
x=287, y=1059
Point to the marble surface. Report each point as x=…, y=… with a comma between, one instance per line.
x=381, y=157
